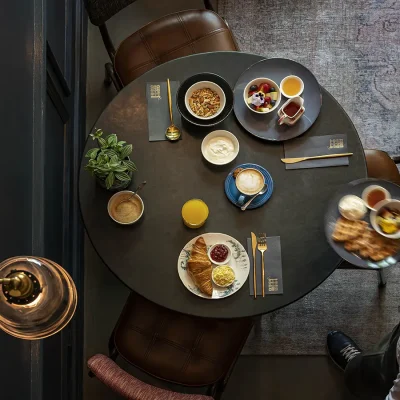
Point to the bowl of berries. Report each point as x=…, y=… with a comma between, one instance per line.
x=262, y=95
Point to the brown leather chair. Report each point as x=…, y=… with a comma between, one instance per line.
x=173, y=36
x=188, y=351
x=381, y=166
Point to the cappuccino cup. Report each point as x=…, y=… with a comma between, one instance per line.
x=249, y=182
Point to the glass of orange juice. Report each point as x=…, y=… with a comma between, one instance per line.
x=194, y=213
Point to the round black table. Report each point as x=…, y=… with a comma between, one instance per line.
x=144, y=256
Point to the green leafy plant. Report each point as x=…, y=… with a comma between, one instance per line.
x=110, y=161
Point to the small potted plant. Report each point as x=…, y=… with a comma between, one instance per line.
x=110, y=162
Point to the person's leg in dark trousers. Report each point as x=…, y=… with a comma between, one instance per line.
x=369, y=375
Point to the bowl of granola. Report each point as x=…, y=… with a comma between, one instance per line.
x=205, y=99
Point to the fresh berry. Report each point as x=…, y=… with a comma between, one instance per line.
x=267, y=99
x=251, y=93
x=253, y=88
x=264, y=87
x=272, y=89
x=257, y=108
x=253, y=106
x=273, y=102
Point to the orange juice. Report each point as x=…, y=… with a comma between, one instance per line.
x=292, y=86
x=194, y=213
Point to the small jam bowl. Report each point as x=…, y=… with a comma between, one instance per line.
x=297, y=79
x=394, y=205
x=369, y=189
x=220, y=133
x=203, y=85
x=118, y=198
x=228, y=257
x=228, y=284
x=257, y=82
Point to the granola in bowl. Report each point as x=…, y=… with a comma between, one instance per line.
x=205, y=102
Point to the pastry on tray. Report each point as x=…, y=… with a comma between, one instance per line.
x=359, y=238
x=347, y=230
x=200, y=267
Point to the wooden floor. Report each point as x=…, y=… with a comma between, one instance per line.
x=255, y=377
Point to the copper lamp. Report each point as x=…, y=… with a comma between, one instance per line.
x=37, y=297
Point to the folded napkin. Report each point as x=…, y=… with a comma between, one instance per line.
x=158, y=111
x=273, y=267
x=317, y=146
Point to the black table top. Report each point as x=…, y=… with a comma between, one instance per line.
x=144, y=255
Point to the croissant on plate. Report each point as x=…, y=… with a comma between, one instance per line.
x=200, y=267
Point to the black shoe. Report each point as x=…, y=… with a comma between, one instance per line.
x=341, y=348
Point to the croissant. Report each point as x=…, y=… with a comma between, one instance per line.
x=200, y=267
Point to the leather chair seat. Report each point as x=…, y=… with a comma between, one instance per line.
x=178, y=348
x=381, y=166
x=173, y=36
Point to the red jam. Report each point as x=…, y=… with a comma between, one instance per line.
x=375, y=196
x=219, y=253
x=291, y=109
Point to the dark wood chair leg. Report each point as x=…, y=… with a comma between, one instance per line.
x=382, y=277
x=208, y=5
x=112, y=351
x=107, y=41
x=111, y=76
x=107, y=78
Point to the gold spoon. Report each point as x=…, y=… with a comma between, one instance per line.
x=140, y=187
x=172, y=133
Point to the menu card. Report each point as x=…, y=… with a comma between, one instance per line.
x=317, y=146
x=273, y=267
x=158, y=111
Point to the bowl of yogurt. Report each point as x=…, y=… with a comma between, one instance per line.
x=220, y=147
x=352, y=207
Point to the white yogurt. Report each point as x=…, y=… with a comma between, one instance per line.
x=220, y=148
x=352, y=207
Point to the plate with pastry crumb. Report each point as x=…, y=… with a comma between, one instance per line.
x=349, y=230
x=201, y=265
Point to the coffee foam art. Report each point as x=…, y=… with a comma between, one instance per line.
x=250, y=181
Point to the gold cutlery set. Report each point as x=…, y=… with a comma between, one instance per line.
x=258, y=243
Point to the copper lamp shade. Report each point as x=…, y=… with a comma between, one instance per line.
x=37, y=297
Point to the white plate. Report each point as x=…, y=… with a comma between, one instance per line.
x=239, y=262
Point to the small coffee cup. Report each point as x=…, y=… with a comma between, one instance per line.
x=249, y=182
x=291, y=111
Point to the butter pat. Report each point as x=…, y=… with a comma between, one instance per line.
x=352, y=207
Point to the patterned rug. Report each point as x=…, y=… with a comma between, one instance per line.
x=353, y=48
x=349, y=300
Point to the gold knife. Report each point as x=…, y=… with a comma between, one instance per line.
x=299, y=159
x=254, y=247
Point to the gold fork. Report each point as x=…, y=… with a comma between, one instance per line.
x=262, y=246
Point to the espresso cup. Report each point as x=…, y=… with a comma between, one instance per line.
x=249, y=182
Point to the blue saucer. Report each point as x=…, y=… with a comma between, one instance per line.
x=233, y=193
